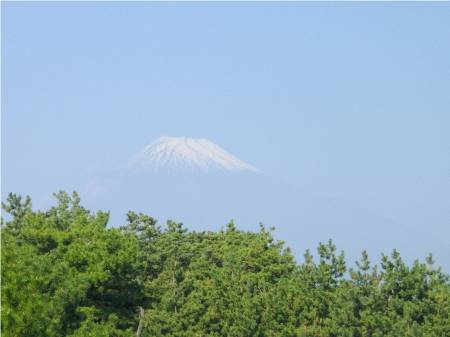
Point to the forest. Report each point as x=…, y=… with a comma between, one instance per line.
x=66, y=272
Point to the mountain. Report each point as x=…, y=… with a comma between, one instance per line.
x=196, y=182
x=180, y=153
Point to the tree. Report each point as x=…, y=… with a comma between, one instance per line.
x=63, y=270
x=66, y=273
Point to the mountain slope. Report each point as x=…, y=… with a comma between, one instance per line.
x=167, y=179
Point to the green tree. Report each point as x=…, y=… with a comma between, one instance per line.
x=66, y=273
x=63, y=269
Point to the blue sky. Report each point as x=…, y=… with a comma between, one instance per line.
x=350, y=100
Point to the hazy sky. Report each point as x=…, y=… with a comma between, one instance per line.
x=348, y=100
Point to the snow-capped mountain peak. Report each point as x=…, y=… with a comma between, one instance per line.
x=197, y=154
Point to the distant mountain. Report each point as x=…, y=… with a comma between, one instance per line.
x=181, y=153
x=202, y=185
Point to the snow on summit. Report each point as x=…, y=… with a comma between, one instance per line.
x=197, y=154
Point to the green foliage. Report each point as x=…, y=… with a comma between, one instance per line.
x=65, y=273
x=63, y=270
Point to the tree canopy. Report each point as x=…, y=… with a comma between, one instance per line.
x=66, y=273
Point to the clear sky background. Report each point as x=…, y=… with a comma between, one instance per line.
x=348, y=100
